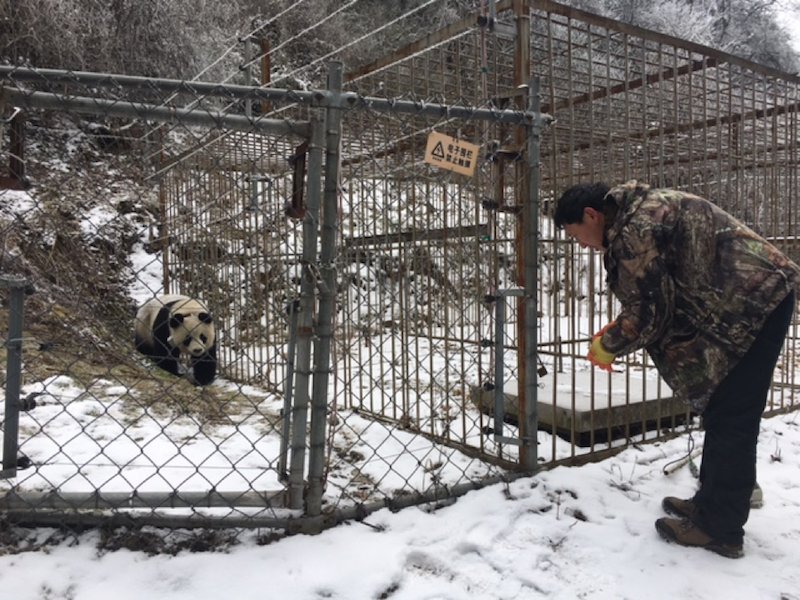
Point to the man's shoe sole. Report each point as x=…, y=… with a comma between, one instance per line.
x=726, y=550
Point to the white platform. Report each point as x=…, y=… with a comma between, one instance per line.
x=593, y=401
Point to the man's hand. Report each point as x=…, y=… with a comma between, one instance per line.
x=598, y=355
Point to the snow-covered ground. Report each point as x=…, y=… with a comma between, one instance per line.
x=564, y=534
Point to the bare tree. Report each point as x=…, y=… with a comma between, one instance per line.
x=353, y=31
x=747, y=28
x=177, y=38
x=183, y=38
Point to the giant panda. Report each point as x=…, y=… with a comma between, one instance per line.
x=172, y=325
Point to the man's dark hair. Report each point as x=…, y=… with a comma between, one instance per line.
x=572, y=203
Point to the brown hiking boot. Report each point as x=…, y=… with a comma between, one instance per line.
x=686, y=533
x=677, y=507
x=685, y=508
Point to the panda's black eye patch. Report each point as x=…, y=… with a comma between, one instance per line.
x=203, y=339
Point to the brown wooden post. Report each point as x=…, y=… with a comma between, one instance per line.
x=164, y=232
x=16, y=161
x=266, y=71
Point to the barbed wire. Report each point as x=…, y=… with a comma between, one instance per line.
x=306, y=30
x=363, y=37
x=251, y=33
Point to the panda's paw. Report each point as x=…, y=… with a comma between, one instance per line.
x=184, y=372
x=202, y=381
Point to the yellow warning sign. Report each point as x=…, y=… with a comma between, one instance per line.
x=450, y=153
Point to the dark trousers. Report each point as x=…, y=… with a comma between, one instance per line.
x=731, y=422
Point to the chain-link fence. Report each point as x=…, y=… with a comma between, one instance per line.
x=397, y=321
x=626, y=103
x=350, y=269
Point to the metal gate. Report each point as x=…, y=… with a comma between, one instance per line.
x=352, y=273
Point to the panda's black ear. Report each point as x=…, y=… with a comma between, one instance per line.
x=175, y=321
x=205, y=317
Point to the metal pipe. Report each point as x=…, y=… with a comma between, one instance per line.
x=530, y=223
x=305, y=333
x=152, y=112
x=327, y=299
x=13, y=373
x=248, y=75
x=499, y=364
x=286, y=416
x=56, y=499
x=291, y=525
x=314, y=98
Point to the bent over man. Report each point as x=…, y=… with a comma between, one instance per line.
x=711, y=303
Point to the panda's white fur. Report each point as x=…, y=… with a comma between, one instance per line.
x=172, y=325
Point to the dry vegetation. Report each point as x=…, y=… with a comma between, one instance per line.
x=79, y=319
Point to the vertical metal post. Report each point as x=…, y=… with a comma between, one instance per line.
x=164, y=202
x=266, y=72
x=288, y=389
x=524, y=189
x=16, y=160
x=248, y=74
x=327, y=298
x=305, y=319
x=499, y=366
x=530, y=221
x=499, y=363
x=13, y=374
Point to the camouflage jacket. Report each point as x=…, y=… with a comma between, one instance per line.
x=695, y=285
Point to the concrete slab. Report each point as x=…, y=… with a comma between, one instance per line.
x=590, y=404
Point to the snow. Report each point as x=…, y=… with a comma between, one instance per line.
x=566, y=533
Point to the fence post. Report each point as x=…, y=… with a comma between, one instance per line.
x=286, y=412
x=248, y=73
x=305, y=318
x=327, y=301
x=266, y=72
x=17, y=149
x=530, y=223
x=13, y=374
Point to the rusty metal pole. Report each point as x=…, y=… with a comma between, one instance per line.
x=529, y=340
x=266, y=72
x=164, y=231
x=16, y=161
x=522, y=76
x=13, y=374
x=306, y=317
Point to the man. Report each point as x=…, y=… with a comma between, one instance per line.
x=711, y=302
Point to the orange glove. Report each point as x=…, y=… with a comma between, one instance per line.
x=598, y=355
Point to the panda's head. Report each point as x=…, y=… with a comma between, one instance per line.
x=191, y=328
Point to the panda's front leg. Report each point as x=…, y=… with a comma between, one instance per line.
x=171, y=363
x=204, y=368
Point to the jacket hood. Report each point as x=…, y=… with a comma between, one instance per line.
x=620, y=204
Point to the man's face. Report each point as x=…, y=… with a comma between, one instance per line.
x=589, y=232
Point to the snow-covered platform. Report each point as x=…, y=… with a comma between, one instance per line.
x=591, y=403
